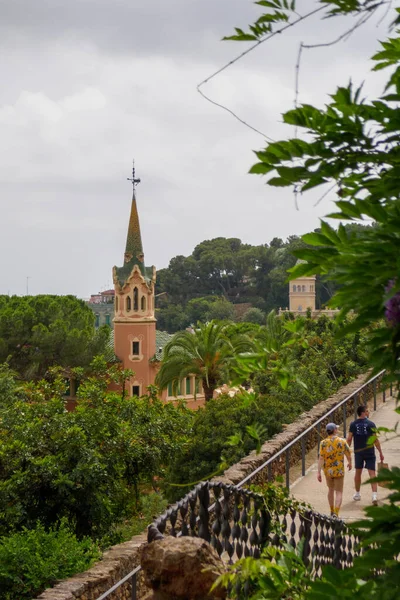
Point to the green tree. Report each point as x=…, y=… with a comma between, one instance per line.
x=37, y=332
x=172, y=318
x=223, y=430
x=198, y=309
x=181, y=280
x=221, y=310
x=254, y=315
x=86, y=465
x=207, y=352
x=353, y=145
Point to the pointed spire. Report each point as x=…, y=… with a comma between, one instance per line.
x=134, y=247
x=134, y=254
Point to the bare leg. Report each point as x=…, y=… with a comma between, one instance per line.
x=357, y=479
x=338, y=502
x=373, y=485
x=331, y=497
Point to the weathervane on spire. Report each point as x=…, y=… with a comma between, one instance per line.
x=135, y=180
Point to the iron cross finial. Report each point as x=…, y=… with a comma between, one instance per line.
x=134, y=179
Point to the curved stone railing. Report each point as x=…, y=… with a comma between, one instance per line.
x=242, y=524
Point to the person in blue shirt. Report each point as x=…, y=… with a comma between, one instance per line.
x=361, y=431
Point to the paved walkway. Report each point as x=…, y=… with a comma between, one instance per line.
x=309, y=490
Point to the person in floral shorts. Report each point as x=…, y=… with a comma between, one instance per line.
x=332, y=451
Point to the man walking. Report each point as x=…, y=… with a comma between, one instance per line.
x=332, y=451
x=362, y=430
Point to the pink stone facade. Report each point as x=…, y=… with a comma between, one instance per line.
x=135, y=329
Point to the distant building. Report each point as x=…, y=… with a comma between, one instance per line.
x=302, y=297
x=102, y=304
x=302, y=294
x=106, y=297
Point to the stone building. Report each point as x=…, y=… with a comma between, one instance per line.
x=302, y=294
x=302, y=297
x=137, y=343
x=102, y=305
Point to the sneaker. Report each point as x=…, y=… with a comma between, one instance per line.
x=357, y=496
x=375, y=498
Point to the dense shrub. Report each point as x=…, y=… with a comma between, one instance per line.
x=85, y=465
x=34, y=559
x=254, y=315
x=324, y=363
x=213, y=427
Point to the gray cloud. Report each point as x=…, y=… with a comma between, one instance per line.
x=124, y=26
x=90, y=83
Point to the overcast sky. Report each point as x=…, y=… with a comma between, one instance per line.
x=86, y=85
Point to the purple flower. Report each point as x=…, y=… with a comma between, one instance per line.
x=392, y=306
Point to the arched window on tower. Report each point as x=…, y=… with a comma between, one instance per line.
x=294, y=288
x=135, y=299
x=311, y=288
x=128, y=303
x=299, y=288
x=303, y=288
x=143, y=303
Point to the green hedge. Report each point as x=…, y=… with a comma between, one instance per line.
x=32, y=560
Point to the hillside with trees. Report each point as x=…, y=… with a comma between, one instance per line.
x=225, y=272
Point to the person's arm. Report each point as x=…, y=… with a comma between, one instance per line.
x=348, y=456
x=320, y=465
x=377, y=445
x=349, y=438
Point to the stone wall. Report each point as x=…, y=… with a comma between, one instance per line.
x=121, y=559
x=115, y=564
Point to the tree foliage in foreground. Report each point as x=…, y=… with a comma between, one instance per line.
x=38, y=332
x=353, y=145
x=33, y=559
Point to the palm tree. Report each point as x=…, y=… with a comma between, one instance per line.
x=207, y=353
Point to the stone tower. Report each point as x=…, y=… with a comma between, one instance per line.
x=302, y=293
x=134, y=320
